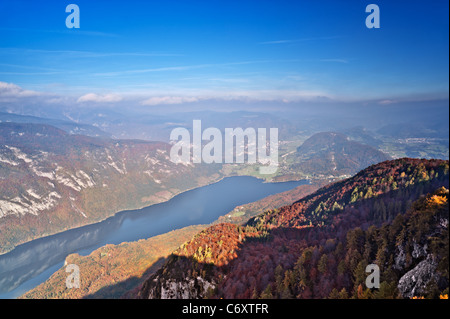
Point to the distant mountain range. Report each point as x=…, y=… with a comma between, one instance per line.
x=414, y=130
x=334, y=154
x=67, y=126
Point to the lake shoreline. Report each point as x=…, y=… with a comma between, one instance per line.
x=118, y=218
x=145, y=206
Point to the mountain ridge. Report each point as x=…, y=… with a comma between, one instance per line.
x=334, y=154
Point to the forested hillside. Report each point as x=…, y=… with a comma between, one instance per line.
x=393, y=214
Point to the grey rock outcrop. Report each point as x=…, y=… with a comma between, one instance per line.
x=415, y=281
x=188, y=288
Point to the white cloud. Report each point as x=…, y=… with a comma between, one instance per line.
x=157, y=100
x=387, y=102
x=334, y=60
x=13, y=90
x=284, y=96
x=106, y=98
x=300, y=40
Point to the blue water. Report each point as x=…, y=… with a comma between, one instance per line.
x=33, y=263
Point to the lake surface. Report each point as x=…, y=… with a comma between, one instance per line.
x=32, y=263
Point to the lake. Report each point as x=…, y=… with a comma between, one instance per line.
x=34, y=262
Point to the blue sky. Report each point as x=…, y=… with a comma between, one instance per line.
x=170, y=52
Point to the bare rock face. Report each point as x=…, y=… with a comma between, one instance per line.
x=400, y=258
x=419, y=250
x=415, y=281
x=189, y=288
